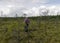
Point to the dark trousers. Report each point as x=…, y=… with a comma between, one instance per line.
x=26, y=28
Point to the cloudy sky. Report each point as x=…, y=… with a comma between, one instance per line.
x=15, y=6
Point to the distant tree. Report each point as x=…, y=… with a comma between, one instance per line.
x=16, y=15
x=5, y=15
x=24, y=15
x=46, y=13
x=1, y=13
x=57, y=13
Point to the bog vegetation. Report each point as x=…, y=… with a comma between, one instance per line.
x=41, y=30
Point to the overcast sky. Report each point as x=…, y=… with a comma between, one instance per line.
x=28, y=3
x=9, y=6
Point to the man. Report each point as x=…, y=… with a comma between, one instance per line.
x=27, y=21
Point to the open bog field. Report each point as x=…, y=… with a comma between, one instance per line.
x=41, y=30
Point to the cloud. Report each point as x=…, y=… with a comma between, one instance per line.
x=43, y=10
x=22, y=2
x=40, y=1
x=30, y=7
x=10, y=10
